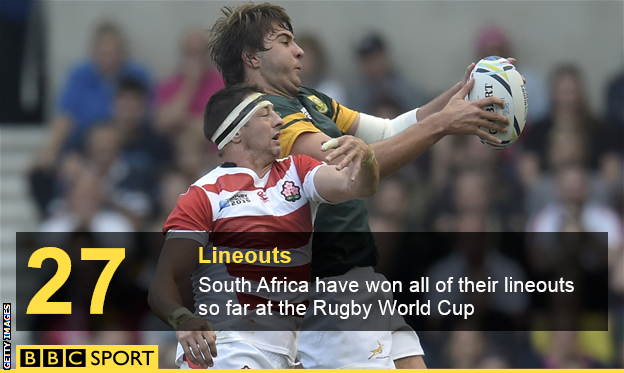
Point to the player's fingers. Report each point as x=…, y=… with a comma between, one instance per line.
x=347, y=159
x=523, y=79
x=188, y=352
x=483, y=135
x=204, y=355
x=345, y=144
x=337, y=153
x=489, y=101
x=329, y=144
x=494, y=126
x=467, y=74
x=210, y=339
x=357, y=166
x=495, y=121
x=464, y=90
x=511, y=60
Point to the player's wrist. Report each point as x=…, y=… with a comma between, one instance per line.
x=370, y=160
x=180, y=316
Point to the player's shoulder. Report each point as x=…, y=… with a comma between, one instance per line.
x=284, y=106
x=213, y=181
x=297, y=162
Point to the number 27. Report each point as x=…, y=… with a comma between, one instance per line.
x=39, y=304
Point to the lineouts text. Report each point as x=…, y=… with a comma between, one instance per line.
x=248, y=256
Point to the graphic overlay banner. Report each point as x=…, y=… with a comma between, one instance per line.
x=264, y=282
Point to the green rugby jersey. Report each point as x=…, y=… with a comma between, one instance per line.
x=334, y=253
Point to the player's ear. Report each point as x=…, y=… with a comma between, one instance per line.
x=250, y=58
x=237, y=138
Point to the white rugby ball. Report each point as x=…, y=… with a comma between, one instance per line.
x=496, y=76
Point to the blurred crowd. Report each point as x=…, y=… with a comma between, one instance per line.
x=122, y=147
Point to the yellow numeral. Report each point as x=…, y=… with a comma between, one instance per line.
x=39, y=303
x=114, y=257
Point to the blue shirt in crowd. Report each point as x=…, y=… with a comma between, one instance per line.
x=88, y=97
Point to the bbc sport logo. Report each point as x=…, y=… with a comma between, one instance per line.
x=98, y=357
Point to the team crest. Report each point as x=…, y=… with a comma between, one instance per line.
x=320, y=105
x=290, y=191
x=376, y=351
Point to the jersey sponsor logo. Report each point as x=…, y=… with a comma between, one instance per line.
x=376, y=351
x=263, y=196
x=306, y=113
x=290, y=191
x=237, y=199
x=320, y=105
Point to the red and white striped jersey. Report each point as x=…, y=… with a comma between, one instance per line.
x=235, y=199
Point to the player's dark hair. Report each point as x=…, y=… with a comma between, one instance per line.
x=132, y=85
x=221, y=104
x=243, y=29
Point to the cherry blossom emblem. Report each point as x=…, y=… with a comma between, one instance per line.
x=290, y=191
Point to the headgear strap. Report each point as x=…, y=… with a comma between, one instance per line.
x=238, y=118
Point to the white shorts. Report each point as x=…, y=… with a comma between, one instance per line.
x=356, y=349
x=243, y=355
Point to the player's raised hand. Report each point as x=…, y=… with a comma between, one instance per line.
x=469, y=69
x=198, y=341
x=354, y=150
x=466, y=117
x=513, y=62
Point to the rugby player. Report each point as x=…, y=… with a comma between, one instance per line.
x=255, y=44
x=252, y=191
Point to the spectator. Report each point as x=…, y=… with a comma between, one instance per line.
x=88, y=95
x=615, y=100
x=315, y=69
x=475, y=255
x=140, y=145
x=574, y=205
x=380, y=78
x=129, y=188
x=85, y=210
x=564, y=352
x=569, y=112
x=180, y=98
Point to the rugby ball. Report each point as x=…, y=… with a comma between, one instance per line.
x=496, y=76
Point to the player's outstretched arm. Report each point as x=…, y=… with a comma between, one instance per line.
x=355, y=176
x=459, y=117
x=176, y=262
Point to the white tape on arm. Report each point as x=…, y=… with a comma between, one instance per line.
x=372, y=129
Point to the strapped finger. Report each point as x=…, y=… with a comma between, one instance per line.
x=337, y=153
x=329, y=144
